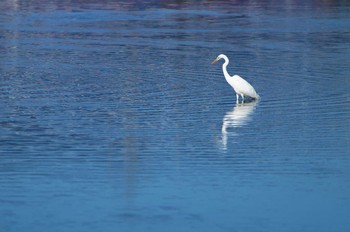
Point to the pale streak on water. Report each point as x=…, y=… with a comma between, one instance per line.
x=113, y=119
x=238, y=117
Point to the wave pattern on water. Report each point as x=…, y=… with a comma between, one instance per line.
x=112, y=116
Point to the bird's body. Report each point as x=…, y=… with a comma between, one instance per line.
x=240, y=86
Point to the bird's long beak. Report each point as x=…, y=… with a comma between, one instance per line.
x=214, y=61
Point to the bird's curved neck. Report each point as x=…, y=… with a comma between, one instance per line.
x=224, y=68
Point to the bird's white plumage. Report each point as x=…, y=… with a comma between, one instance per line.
x=240, y=86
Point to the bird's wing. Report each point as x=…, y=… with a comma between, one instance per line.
x=243, y=86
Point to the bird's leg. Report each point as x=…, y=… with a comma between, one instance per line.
x=237, y=98
x=242, y=98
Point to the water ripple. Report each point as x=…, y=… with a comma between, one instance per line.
x=112, y=111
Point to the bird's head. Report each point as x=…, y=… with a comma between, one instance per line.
x=221, y=56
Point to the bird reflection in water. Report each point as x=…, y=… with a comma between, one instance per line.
x=238, y=117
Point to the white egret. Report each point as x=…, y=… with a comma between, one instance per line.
x=241, y=86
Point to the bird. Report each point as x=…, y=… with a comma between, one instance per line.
x=240, y=86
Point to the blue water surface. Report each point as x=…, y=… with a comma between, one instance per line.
x=113, y=119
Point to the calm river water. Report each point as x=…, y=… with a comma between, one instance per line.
x=112, y=118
